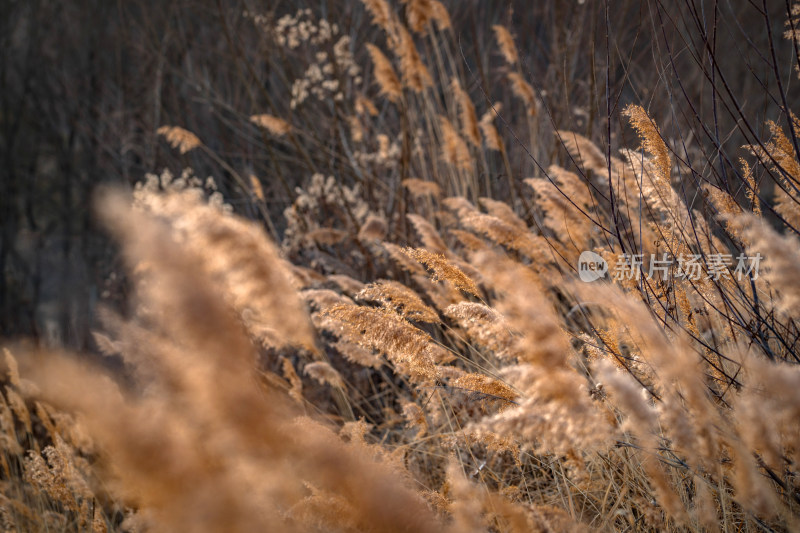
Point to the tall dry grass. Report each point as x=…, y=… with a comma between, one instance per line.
x=431, y=361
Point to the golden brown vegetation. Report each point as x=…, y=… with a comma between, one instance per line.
x=439, y=367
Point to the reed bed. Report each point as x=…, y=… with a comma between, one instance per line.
x=422, y=350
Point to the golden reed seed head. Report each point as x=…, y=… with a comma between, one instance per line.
x=484, y=326
x=506, y=42
x=12, y=369
x=490, y=134
x=385, y=75
x=454, y=150
x=258, y=190
x=583, y=151
x=780, y=153
x=381, y=13
x=411, y=351
x=396, y=296
x=235, y=253
x=414, y=72
x=183, y=140
x=752, y=185
x=726, y=206
x=468, y=117
x=365, y=106
x=443, y=270
x=324, y=373
x=524, y=91
x=274, y=125
x=374, y=228
x=487, y=385
x=419, y=13
x=504, y=212
x=506, y=234
x=652, y=141
x=327, y=236
x=440, y=15
x=420, y=188
x=358, y=354
x=428, y=235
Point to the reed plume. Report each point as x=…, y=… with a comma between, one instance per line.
x=414, y=73
x=411, y=351
x=420, y=12
x=424, y=350
x=467, y=115
x=490, y=134
x=524, y=92
x=396, y=296
x=454, y=149
x=443, y=270
x=184, y=140
x=275, y=125
x=385, y=75
x=506, y=42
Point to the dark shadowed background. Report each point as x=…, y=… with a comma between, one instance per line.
x=85, y=84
